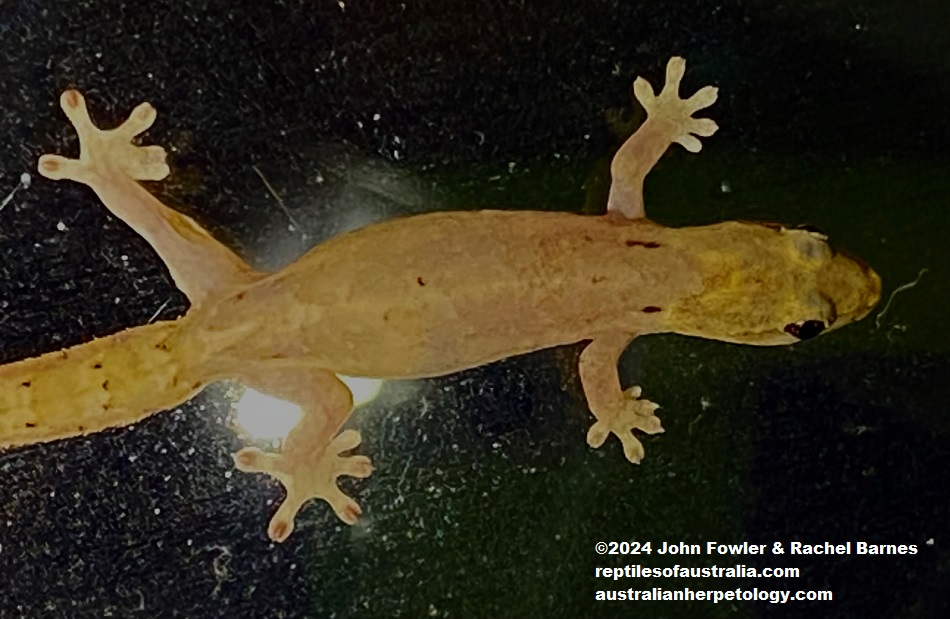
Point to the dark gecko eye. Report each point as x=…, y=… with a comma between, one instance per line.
x=806, y=330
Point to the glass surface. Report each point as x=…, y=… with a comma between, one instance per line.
x=485, y=500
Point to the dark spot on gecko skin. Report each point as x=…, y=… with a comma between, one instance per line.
x=105, y=385
x=26, y=383
x=196, y=385
x=386, y=317
x=163, y=345
x=175, y=381
x=651, y=309
x=80, y=428
x=64, y=355
x=420, y=281
x=239, y=296
x=106, y=406
x=97, y=366
x=30, y=425
x=588, y=238
x=597, y=279
x=646, y=244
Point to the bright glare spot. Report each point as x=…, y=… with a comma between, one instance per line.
x=364, y=389
x=266, y=417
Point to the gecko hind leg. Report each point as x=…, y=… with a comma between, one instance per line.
x=304, y=480
x=310, y=460
x=111, y=164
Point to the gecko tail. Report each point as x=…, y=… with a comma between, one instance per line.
x=106, y=383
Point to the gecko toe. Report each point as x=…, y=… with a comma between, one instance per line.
x=55, y=167
x=703, y=127
x=689, y=142
x=675, y=69
x=343, y=506
x=249, y=460
x=350, y=513
x=597, y=434
x=648, y=423
x=643, y=91
x=143, y=163
x=345, y=441
x=153, y=154
x=702, y=98
x=141, y=118
x=71, y=99
x=356, y=466
x=73, y=105
x=632, y=447
x=280, y=529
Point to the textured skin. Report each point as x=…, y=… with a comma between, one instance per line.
x=424, y=296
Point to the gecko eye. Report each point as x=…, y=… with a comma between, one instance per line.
x=806, y=329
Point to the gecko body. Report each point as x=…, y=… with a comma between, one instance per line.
x=424, y=296
x=449, y=291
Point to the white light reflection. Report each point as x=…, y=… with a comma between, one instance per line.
x=363, y=389
x=267, y=418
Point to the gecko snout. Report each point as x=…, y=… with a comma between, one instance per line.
x=852, y=285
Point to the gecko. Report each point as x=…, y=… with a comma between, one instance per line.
x=423, y=296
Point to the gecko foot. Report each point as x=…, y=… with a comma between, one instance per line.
x=631, y=413
x=309, y=477
x=104, y=151
x=673, y=114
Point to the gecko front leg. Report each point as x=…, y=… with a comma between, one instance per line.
x=617, y=411
x=669, y=119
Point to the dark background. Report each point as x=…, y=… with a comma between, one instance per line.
x=486, y=502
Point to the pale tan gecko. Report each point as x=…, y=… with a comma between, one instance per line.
x=424, y=296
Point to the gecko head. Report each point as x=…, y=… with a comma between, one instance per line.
x=765, y=284
x=851, y=285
